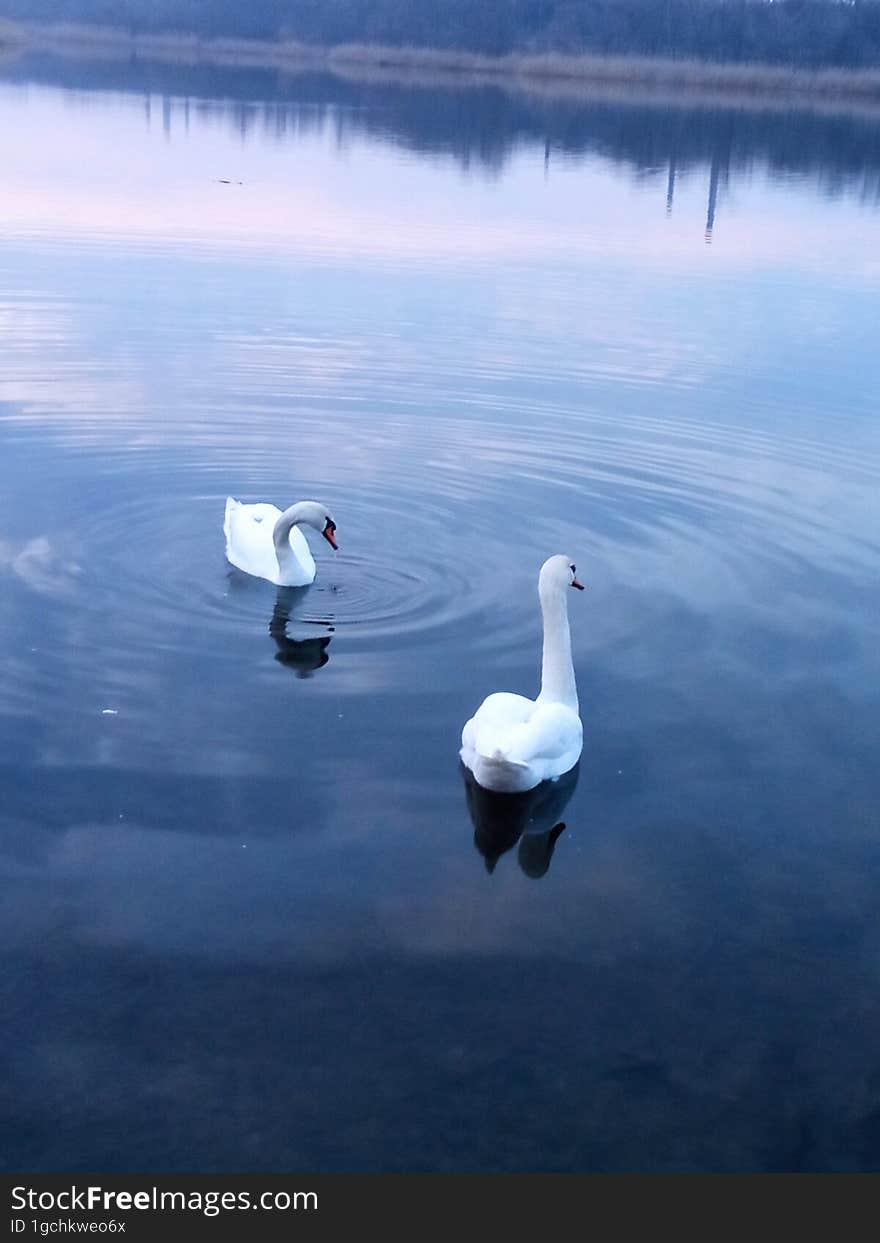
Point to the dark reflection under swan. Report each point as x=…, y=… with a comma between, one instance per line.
x=531, y=818
x=304, y=656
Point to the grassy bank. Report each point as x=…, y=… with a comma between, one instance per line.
x=622, y=72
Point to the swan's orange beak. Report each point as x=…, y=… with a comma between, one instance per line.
x=575, y=583
x=328, y=534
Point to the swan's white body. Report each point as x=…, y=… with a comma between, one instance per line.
x=266, y=542
x=512, y=743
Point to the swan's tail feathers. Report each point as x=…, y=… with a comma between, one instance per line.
x=231, y=505
x=498, y=772
x=498, y=757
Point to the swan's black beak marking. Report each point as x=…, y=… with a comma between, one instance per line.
x=575, y=583
x=328, y=534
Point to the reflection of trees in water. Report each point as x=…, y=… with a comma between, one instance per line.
x=481, y=126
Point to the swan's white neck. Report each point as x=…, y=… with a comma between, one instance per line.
x=557, y=671
x=281, y=533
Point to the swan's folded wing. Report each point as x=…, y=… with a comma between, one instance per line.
x=552, y=734
x=494, y=717
x=249, y=544
x=259, y=516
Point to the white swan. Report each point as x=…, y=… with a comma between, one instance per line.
x=512, y=743
x=263, y=541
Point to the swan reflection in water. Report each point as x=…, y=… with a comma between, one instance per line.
x=303, y=656
x=530, y=818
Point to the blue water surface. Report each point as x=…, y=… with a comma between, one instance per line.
x=254, y=918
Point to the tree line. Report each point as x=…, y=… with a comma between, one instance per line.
x=803, y=33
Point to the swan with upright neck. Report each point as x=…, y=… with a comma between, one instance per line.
x=265, y=541
x=512, y=743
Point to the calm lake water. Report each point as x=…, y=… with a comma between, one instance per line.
x=253, y=918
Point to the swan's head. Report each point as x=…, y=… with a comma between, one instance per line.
x=558, y=572
x=316, y=515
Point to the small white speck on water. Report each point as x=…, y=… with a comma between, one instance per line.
x=109, y=712
x=244, y=845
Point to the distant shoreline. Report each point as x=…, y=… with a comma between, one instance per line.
x=748, y=81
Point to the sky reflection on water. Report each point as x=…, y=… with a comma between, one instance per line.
x=249, y=921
